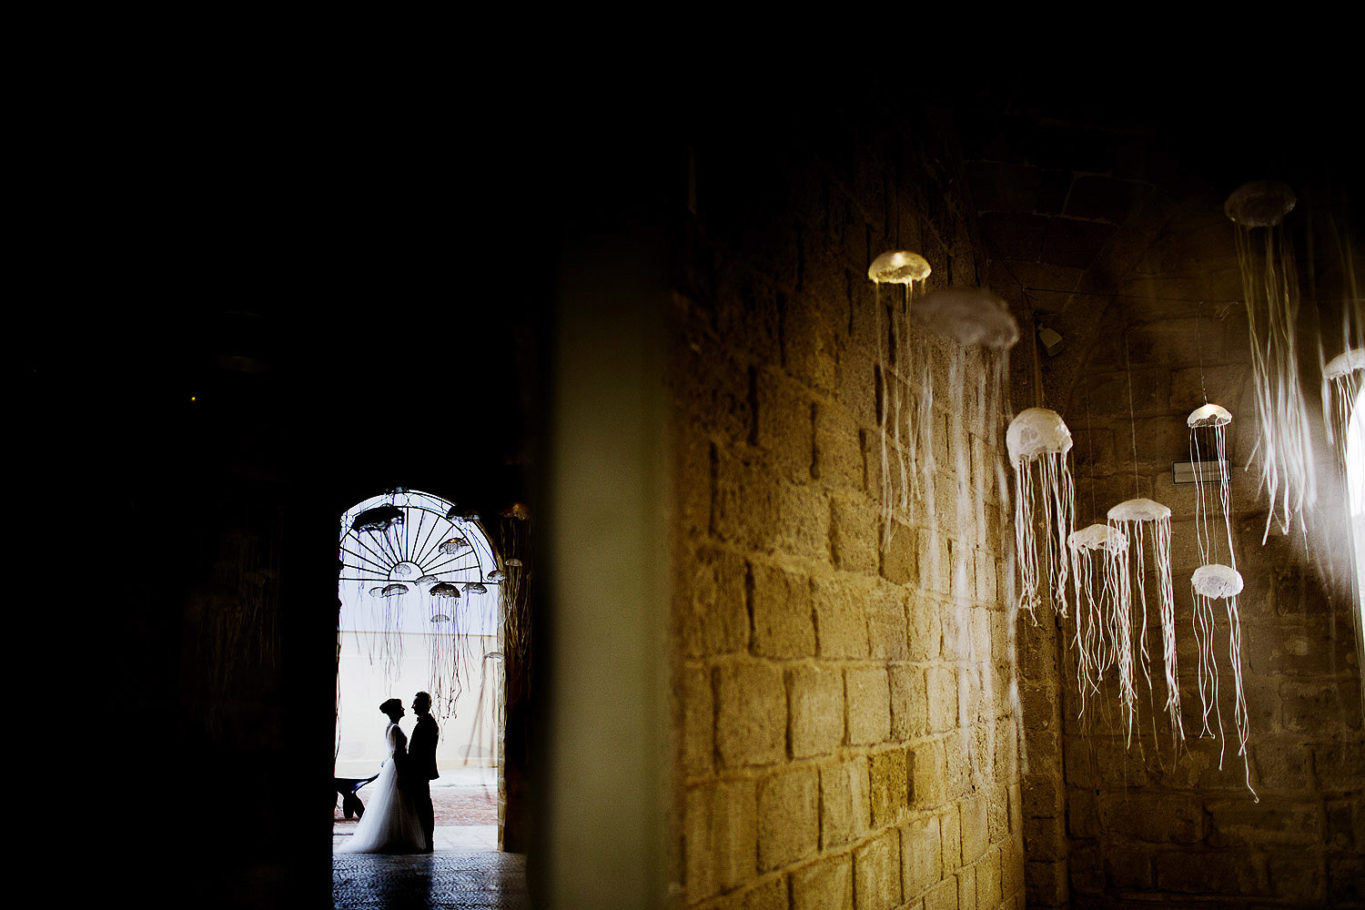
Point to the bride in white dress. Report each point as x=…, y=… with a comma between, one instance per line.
x=390, y=823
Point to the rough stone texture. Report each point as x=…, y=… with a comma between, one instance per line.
x=824, y=884
x=844, y=683
x=845, y=807
x=816, y=696
x=869, y=706
x=921, y=856
x=788, y=817
x=751, y=713
x=889, y=786
x=877, y=873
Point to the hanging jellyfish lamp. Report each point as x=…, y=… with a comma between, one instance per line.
x=1270, y=288
x=453, y=545
x=969, y=316
x=1143, y=521
x=982, y=327
x=901, y=416
x=899, y=267
x=1219, y=582
x=1094, y=641
x=1038, y=442
x=1208, y=436
x=1260, y=204
x=378, y=519
x=1342, y=379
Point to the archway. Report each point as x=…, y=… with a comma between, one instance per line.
x=418, y=588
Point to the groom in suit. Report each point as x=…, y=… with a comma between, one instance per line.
x=421, y=764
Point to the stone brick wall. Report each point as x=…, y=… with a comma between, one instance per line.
x=838, y=746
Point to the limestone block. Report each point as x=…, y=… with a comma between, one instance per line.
x=788, y=817
x=1108, y=398
x=1012, y=871
x=889, y=786
x=749, y=314
x=1228, y=874
x=1297, y=876
x=989, y=879
x=950, y=495
x=886, y=623
x=844, y=802
x=987, y=568
x=925, y=627
x=1036, y=651
x=950, y=833
x=877, y=873
x=714, y=390
x=975, y=828
x=692, y=481
x=869, y=705
x=966, y=886
x=934, y=563
x=909, y=702
x=1045, y=884
x=838, y=448
x=784, y=425
x=1339, y=766
x=930, y=771
x=1082, y=813
x=1153, y=817
x=743, y=501
x=715, y=613
x=921, y=856
x=751, y=714
x=816, y=700
x=1346, y=878
x=809, y=342
x=781, y=613
x=1345, y=824
x=699, y=741
x=1087, y=872
x=721, y=840
x=840, y=617
x=824, y=885
x=942, y=896
x=802, y=527
x=942, y=690
x=1235, y=822
x=1044, y=838
x=853, y=533
x=900, y=555
x=1094, y=450
x=1281, y=764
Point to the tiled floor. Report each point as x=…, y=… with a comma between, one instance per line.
x=466, y=871
x=455, y=879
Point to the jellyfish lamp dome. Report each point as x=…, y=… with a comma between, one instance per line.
x=1210, y=415
x=1260, y=203
x=970, y=316
x=899, y=267
x=1037, y=431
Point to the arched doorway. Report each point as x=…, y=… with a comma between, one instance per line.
x=418, y=587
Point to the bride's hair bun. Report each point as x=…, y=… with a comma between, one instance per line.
x=391, y=704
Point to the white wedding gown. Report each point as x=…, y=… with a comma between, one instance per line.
x=390, y=823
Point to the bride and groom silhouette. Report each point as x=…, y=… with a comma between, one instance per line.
x=400, y=817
